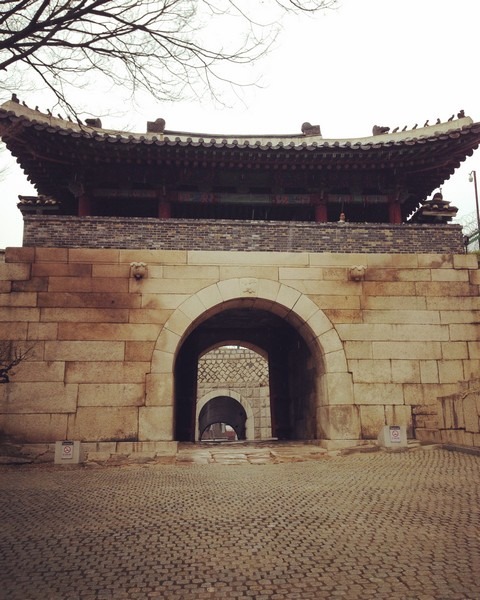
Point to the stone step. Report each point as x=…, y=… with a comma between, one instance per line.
x=224, y=453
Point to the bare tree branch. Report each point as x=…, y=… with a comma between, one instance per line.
x=11, y=355
x=166, y=47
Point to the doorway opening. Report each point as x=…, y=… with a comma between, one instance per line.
x=240, y=373
x=219, y=432
x=292, y=380
x=222, y=418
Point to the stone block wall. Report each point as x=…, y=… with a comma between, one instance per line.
x=455, y=418
x=103, y=343
x=265, y=236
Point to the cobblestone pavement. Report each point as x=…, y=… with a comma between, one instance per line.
x=381, y=525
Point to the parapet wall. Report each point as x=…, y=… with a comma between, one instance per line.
x=44, y=231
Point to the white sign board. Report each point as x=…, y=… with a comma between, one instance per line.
x=68, y=453
x=395, y=434
x=67, y=450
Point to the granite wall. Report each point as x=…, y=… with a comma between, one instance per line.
x=103, y=343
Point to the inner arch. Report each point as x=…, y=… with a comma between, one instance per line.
x=223, y=409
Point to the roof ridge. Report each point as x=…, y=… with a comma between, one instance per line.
x=262, y=140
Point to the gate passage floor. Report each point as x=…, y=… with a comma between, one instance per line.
x=380, y=525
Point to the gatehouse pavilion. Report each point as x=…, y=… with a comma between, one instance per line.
x=290, y=286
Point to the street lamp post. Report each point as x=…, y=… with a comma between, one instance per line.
x=473, y=177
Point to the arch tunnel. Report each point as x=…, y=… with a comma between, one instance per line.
x=223, y=409
x=293, y=370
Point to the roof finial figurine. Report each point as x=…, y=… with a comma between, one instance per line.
x=309, y=129
x=95, y=122
x=405, y=128
x=461, y=114
x=426, y=123
x=157, y=126
x=379, y=129
x=437, y=122
x=15, y=98
x=451, y=118
x=395, y=130
x=415, y=126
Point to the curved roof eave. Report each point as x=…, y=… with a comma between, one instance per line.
x=14, y=111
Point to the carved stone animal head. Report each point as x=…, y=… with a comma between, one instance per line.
x=357, y=272
x=138, y=270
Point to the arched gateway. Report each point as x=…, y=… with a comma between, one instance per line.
x=232, y=401
x=225, y=410
x=310, y=387
x=247, y=239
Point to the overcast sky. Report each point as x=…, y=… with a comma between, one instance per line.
x=370, y=62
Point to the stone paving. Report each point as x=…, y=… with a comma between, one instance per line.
x=365, y=525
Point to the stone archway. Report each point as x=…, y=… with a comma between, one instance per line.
x=226, y=393
x=336, y=415
x=226, y=410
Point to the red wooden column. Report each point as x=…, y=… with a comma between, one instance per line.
x=164, y=209
x=394, y=212
x=320, y=208
x=164, y=205
x=84, y=206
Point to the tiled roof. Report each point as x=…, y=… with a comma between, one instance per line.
x=14, y=111
x=61, y=157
